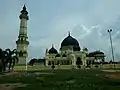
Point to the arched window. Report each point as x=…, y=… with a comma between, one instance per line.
x=49, y=63
x=58, y=55
x=63, y=55
x=52, y=62
x=58, y=62
x=20, y=53
x=79, y=61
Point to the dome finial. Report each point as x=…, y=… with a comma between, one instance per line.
x=52, y=46
x=68, y=33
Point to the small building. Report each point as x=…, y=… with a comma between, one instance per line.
x=95, y=57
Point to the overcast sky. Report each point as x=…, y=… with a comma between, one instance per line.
x=50, y=21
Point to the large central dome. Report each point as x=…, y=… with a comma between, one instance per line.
x=69, y=40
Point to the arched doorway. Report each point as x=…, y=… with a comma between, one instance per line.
x=52, y=62
x=58, y=62
x=49, y=63
x=79, y=61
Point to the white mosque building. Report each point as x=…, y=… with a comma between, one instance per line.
x=70, y=53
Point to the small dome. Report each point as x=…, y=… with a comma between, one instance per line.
x=58, y=55
x=64, y=55
x=52, y=50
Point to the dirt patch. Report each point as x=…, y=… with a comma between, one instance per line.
x=111, y=70
x=10, y=74
x=115, y=76
x=39, y=73
x=11, y=86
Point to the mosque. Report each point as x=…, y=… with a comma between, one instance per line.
x=70, y=52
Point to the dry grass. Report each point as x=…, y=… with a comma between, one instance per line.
x=114, y=76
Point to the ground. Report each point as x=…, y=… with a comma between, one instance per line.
x=61, y=80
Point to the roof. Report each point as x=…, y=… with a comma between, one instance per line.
x=95, y=53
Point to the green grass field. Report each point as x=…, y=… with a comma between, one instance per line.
x=42, y=67
x=63, y=80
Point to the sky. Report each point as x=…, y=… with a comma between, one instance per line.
x=50, y=20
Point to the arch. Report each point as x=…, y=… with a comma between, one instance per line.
x=52, y=62
x=79, y=61
x=58, y=55
x=49, y=63
x=20, y=53
x=58, y=62
x=64, y=55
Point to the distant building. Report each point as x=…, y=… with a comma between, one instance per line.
x=41, y=61
x=95, y=57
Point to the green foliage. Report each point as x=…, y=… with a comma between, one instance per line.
x=7, y=58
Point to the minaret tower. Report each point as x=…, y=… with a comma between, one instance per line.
x=22, y=42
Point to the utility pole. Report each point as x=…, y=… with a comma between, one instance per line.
x=109, y=31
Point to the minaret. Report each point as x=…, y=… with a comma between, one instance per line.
x=22, y=42
x=46, y=57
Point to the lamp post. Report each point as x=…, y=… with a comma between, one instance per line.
x=109, y=31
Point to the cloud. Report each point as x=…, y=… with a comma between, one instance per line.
x=97, y=38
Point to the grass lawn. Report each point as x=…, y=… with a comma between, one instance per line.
x=62, y=80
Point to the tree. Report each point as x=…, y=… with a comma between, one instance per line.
x=1, y=60
x=4, y=60
x=11, y=58
x=7, y=57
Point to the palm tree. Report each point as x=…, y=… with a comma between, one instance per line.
x=3, y=59
x=11, y=58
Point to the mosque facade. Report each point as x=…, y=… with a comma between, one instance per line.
x=70, y=53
